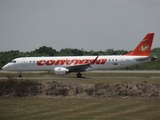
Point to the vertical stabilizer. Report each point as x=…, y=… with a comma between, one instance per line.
x=144, y=47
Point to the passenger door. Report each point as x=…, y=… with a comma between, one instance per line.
x=24, y=62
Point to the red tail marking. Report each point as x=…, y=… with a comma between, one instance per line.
x=144, y=47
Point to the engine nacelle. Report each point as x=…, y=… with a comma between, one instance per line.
x=60, y=71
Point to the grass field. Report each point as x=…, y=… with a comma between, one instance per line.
x=83, y=108
x=63, y=108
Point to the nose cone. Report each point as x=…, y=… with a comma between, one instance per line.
x=5, y=67
x=9, y=67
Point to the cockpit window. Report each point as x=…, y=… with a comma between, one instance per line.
x=13, y=61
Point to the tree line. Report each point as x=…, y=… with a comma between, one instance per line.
x=7, y=56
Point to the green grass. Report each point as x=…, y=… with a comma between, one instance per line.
x=79, y=108
x=82, y=108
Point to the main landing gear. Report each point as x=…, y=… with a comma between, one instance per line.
x=79, y=75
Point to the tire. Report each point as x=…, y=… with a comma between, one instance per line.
x=79, y=75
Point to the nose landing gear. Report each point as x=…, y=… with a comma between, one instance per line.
x=20, y=74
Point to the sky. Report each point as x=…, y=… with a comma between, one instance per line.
x=26, y=25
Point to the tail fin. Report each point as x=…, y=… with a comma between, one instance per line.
x=144, y=47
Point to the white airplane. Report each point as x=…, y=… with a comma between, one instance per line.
x=67, y=64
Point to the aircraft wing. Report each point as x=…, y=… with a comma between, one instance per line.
x=81, y=68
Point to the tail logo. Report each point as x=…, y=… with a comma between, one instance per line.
x=144, y=48
x=145, y=40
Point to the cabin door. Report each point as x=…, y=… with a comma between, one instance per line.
x=24, y=62
x=121, y=61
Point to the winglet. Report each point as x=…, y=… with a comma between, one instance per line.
x=144, y=47
x=92, y=62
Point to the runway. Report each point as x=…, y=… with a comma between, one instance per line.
x=92, y=77
x=127, y=71
x=56, y=78
x=99, y=71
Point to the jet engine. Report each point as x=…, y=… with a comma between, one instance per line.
x=61, y=71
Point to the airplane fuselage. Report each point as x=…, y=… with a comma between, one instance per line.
x=50, y=63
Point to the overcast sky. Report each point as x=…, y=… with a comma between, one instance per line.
x=26, y=25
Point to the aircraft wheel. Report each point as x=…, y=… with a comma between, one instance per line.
x=20, y=75
x=79, y=75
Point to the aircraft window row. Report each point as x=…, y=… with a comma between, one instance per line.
x=33, y=61
x=112, y=60
x=68, y=60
